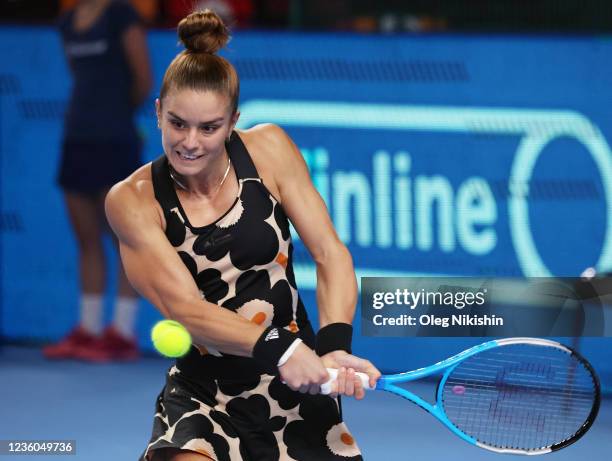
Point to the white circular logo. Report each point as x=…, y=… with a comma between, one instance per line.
x=576, y=126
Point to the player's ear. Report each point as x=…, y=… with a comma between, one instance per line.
x=234, y=120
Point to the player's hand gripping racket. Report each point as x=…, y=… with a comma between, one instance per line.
x=516, y=395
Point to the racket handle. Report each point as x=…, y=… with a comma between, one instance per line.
x=326, y=387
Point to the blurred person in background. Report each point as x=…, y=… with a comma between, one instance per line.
x=147, y=9
x=106, y=48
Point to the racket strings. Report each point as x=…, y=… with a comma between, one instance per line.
x=515, y=420
x=527, y=388
x=520, y=396
x=517, y=423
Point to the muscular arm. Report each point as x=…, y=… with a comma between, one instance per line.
x=336, y=283
x=157, y=273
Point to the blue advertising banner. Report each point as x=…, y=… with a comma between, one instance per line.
x=469, y=164
x=436, y=155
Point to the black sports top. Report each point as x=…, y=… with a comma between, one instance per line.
x=241, y=262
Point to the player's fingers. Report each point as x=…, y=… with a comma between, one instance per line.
x=349, y=385
x=365, y=366
x=374, y=375
x=371, y=371
x=334, y=389
x=314, y=389
x=359, y=364
x=341, y=380
x=359, y=390
x=304, y=389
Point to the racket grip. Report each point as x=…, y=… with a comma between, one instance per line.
x=326, y=387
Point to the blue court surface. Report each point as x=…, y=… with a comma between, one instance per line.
x=108, y=410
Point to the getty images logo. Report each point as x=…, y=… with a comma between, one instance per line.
x=468, y=213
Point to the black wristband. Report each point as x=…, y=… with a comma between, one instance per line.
x=271, y=346
x=334, y=337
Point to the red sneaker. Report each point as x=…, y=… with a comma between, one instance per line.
x=110, y=346
x=68, y=347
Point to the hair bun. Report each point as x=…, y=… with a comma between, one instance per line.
x=203, y=32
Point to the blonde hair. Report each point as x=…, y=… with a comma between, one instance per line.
x=198, y=67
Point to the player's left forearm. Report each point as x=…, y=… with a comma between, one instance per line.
x=336, y=286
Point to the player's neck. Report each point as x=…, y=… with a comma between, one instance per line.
x=207, y=183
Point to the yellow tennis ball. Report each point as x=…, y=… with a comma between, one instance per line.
x=170, y=338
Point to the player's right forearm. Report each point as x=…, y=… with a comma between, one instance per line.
x=230, y=333
x=216, y=327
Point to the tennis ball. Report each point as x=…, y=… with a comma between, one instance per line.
x=170, y=338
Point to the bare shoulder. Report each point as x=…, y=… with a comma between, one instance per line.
x=274, y=153
x=275, y=156
x=135, y=189
x=264, y=131
x=131, y=203
x=270, y=141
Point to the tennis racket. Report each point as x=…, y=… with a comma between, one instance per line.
x=516, y=395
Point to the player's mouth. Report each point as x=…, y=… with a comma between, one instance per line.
x=188, y=157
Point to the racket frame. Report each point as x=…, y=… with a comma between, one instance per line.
x=389, y=383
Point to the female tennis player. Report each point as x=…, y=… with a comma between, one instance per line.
x=204, y=235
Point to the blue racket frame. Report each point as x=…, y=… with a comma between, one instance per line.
x=388, y=383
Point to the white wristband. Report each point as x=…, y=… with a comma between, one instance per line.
x=288, y=352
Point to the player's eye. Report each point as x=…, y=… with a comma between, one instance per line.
x=209, y=128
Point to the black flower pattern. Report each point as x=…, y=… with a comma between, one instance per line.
x=225, y=421
x=177, y=403
x=286, y=398
x=189, y=263
x=211, y=284
x=290, y=273
x=174, y=403
x=258, y=242
x=200, y=424
x=255, y=411
x=281, y=221
x=175, y=229
x=238, y=387
x=214, y=243
x=256, y=285
x=307, y=439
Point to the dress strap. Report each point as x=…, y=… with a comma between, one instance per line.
x=162, y=184
x=243, y=164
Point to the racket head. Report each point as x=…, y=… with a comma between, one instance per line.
x=525, y=396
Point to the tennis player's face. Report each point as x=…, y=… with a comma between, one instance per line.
x=194, y=127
